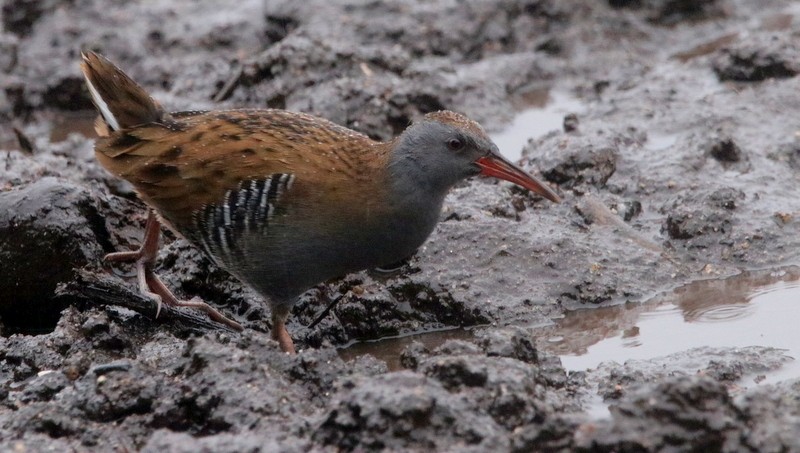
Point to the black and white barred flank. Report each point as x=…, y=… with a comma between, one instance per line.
x=245, y=210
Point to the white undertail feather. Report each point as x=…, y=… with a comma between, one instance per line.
x=102, y=106
x=122, y=103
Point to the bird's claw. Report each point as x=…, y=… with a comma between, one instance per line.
x=157, y=299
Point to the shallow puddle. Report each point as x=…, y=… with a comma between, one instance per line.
x=752, y=309
x=389, y=349
x=78, y=122
x=544, y=113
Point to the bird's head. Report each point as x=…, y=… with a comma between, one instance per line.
x=446, y=147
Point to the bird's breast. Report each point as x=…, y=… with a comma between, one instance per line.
x=307, y=246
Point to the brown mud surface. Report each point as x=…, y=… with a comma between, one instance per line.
x=680, y=166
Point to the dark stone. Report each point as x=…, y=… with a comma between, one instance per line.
x=690, y=224
x=591, y=290
x=726, y=151
x=401, y=411
x=67, y=94
x=278, y=27
x=119, y=394
x=511, y=343
x=47, y=229
x=584, y=166
x=9, y=46
x=44, y=387
x=457, y=372
x=726, y=198
x=571, y=122
x=703, y=218
x=670, y=12
x=19, y=16
x=695, y=413
x=628, y=210
x=758, y=58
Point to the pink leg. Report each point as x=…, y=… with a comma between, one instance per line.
x=149, y=283
x=279, y=332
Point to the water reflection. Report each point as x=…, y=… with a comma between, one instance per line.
x=545, y=113
x=752, y=309
x=389, y=349
x=78, y=122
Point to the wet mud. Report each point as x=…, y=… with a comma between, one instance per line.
x=669, y=127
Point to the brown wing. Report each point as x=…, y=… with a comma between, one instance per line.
x=193, y=159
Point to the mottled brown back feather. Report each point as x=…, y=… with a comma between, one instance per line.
x=179, y=170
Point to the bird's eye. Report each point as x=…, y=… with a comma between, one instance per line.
x=455, y=144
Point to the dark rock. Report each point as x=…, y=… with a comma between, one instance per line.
x=67, y=94
x=670, y=12
x=179, y=442
x=511, y=343
x=788, y=153
x=726, y=198
x=726, y=365
x=571, y=122
x=593, y=290
x=509, y=390
x=44, y=386
x=47, y=229
x=457, y=372
x=625, y=3
x=554, y=435
x=726, y=151
x=58, y=425
x=457, y=347
x=404, y=410
x=702, y=214
x=759, y=58
x=695, y=413
x=370, y=309
x=586, y=165
x=118, y=394
x=19, y=16
x=8, y=52
x=413, y=354
x=773, y=412
x=628, y=210
x=618, y=382
x=691, y=224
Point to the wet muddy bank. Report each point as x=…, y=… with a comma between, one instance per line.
x=678, y=164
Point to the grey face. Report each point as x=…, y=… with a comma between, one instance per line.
x=433, y=155
x=437, y=155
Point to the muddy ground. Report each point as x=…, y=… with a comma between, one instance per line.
x=682, y=166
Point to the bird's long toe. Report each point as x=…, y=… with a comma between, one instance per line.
x=167, y=297
x=124, y=257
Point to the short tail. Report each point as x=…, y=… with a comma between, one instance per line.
x=121, y=101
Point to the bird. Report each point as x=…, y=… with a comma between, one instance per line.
x=282, y=200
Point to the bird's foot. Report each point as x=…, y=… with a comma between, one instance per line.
x=155, y=288
x=152, y=286
x=146, y=254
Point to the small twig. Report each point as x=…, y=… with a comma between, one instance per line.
x=325, y=312
x=24, y=142
x=100, y=288
x=230, y=85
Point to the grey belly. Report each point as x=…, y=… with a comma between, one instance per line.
x=289, y=260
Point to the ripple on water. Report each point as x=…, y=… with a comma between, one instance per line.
x=752, y=309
